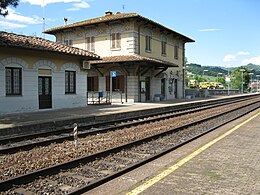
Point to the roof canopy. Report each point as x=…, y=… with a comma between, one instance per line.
x=133, y=58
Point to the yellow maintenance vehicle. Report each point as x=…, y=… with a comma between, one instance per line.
x=213, y=85
x=210, y=85
x=204, y=85
x=193, y=84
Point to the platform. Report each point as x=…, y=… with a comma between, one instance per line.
x=225, y=161
x=18, y=123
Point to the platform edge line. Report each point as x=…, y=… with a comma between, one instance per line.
x=174, y=167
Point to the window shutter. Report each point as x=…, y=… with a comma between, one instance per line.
x=113, y=37
x=92, y=43
x=88, y=43
x=118, y=40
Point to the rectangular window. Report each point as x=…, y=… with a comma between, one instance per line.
x=115, y=40
x=176, y=55
x=68, y=42
x=164, y=48
x=90, y=43
x=13, y=81
x=70, y=82
x=148, y=43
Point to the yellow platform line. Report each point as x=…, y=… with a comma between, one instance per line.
x=171, y=169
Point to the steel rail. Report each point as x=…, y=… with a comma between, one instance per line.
x=26, y=178
x=28, y=146
x=174, y=108
x=108, y=178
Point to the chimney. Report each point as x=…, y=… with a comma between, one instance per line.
x=108, y=13
x=65, y=20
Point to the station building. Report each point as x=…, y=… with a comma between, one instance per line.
x=40, y=74
x=146, y=57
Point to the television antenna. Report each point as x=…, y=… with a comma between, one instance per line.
x=43, y=19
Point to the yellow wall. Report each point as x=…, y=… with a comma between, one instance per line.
x=129, y=40
x=156, y=46
x=31, y=57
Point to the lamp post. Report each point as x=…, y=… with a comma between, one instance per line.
x=218, y=74
x=204, y=71
x=242, y=70
x=257, y=82
x=228, y=81
x=251, y=74
x=183, y=84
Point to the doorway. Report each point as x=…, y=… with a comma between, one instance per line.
x=147, y=86
x=44, y=92
x=175, y=88
x=163, y=85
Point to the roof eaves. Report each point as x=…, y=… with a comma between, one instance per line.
x=93, y=21
x=11, y=40
x=113, y=18
x=133, y=58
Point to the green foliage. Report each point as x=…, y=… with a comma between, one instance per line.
x=211, y=70
x=213, y=74
x=236, y=78
x=4, y=4
x=222, y=80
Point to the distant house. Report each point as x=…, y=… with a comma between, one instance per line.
x=39, y=74
x=148, y=58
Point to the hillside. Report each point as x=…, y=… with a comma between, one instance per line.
x=198, y=69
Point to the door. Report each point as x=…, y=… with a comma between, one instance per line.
x=175, y=88
x=147, y=85
x=44, y=92
x=163, y=88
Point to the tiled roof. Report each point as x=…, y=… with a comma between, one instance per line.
x=36, y=43
x=132, y=58
x=113, y=17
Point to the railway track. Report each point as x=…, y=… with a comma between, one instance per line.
x=86, y=172
x=27, y=142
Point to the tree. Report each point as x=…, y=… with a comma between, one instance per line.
x=236, y=78
x=4, y=4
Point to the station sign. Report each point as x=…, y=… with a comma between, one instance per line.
x=113, y=73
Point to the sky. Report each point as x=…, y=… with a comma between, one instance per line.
x=226, y=32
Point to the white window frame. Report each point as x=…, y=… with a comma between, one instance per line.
x=116, y=41
x=90, y=43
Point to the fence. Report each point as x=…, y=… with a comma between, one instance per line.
x=100, y=97
x=223, y=91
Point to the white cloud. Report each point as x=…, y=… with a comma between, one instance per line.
x=229, y=58
x=255, y=60
x=45, y=2
x=78, y=6
x=16, y=16
x=243, y=53
x=9, y=25
x=209, y=30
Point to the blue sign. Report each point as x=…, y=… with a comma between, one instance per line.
x=113, y=73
